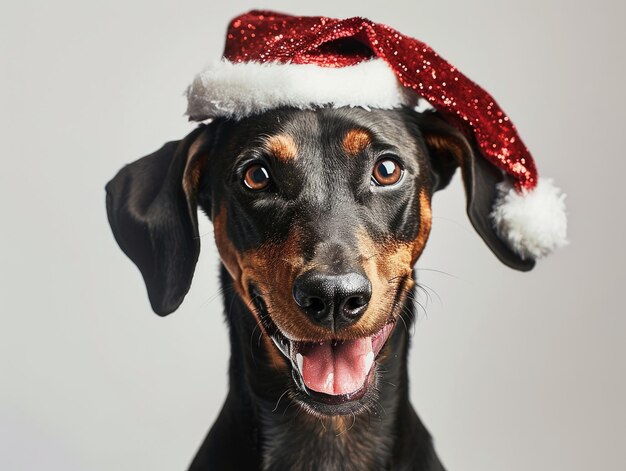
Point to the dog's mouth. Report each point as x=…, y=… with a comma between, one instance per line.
x=330, y=371
x=338, y=371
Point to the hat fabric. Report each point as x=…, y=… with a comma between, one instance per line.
x=273, y=60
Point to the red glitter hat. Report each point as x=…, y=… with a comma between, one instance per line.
x=273, y=60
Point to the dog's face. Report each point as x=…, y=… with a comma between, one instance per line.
x=319, y=217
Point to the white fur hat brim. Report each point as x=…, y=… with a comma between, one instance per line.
x=236, y=90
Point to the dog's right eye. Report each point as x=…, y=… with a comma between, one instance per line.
x=256, y=177
x=387, y=172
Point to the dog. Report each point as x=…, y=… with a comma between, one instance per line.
x=319, y=217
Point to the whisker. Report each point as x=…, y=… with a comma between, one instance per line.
x=288, y=406
x=425, y=291
x=401, y=317
x=437, y=271
x=220, y=291
x=277, y=402
x=258, y=343
x=200, y=236
x=322, y=424
x=353, y=422
x=422, y=307
x=416, y=304
x=256, y=326
x=389, y=382
x=431, y=290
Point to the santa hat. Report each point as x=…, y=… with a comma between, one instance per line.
x=273, y=60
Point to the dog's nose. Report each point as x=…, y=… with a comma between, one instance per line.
x=332, y=300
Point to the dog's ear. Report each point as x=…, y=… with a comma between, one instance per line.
x=449, y=149
x=152, y=210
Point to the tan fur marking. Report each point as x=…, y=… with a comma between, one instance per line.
x=231, y=258
x=241, y=269
x=425, y=225
x=386, y=263
x=282, y=147
x=274, y=266
x=355, y=141
x=194, y=166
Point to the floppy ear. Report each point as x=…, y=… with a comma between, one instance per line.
x=450, y=149
x=152, y=210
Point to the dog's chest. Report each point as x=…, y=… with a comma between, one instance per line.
x=329, y=444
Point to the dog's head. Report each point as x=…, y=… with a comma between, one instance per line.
x=319, y=217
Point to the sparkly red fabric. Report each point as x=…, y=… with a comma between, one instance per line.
x=265, y=36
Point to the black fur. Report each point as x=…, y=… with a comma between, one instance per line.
x=268, y=422
x=260, y=427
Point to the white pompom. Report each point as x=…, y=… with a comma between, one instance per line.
x=532, y=223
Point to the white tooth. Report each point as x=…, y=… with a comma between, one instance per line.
x=369, y=361
x=299, y=361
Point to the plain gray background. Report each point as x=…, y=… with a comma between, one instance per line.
x=509, y=371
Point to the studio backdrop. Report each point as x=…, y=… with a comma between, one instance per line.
x=508, y=370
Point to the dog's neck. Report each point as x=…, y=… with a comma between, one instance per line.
x=274, y=432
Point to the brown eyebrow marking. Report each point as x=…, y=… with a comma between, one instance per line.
x=283, y=147
x=356, y=140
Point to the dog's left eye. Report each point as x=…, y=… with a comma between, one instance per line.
x=387, y=171
x=256, y=177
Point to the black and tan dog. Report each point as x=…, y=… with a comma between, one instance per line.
x=319, y=218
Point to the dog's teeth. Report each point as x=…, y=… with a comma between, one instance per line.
x=299, y=361
x=369, y=361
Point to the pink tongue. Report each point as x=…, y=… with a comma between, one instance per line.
x=336, y=369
